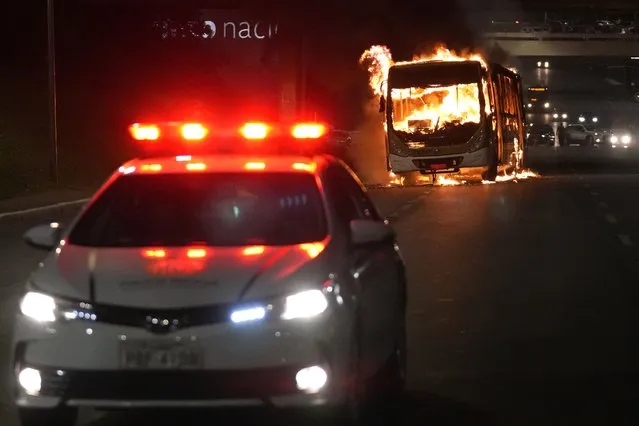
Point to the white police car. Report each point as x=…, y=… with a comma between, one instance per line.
x=213, y=280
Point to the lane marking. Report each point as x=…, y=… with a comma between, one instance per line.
x=625, y=240
x=603, y=205
x=594, y=194
x=610, y=218
x=43, y=208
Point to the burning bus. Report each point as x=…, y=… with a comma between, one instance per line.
x=448, y=114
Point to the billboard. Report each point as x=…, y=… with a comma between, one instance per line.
x=241, y=56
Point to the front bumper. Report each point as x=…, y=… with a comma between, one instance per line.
x=477, y=158
x=80, y=364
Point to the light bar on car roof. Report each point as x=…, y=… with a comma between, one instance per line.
x=250, y=131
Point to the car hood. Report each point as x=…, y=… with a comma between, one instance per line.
x=179, y=277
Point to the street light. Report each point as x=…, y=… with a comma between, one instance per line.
x=53, y=107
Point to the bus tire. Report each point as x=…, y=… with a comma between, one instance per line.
x=491, y=173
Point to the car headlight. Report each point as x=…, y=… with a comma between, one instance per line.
x=44, y=308
x=38, y=306
x=305, y=304
x=625, y=139
x=614, y=139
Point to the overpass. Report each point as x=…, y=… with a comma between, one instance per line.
x=547, y=44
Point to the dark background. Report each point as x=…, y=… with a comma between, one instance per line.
x=113, y=66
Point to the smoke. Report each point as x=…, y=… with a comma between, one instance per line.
x=369, y=146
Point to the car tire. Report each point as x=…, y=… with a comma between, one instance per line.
x=394, y=374
x=391, y=383
x=60, y=416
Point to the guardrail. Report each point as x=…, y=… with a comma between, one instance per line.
x=548, y=36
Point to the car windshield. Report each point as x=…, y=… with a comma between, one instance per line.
x=217, y=209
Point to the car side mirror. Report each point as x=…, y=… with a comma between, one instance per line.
x=382, y=104
x=366, y=231
x=44, y=237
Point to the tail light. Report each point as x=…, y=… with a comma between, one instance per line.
x=193, y=131
x=308, y=131
x=255, y=130
x=144, y=132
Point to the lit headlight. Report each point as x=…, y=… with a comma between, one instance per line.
x=306, y=304
x=625, y=139
x=614, y=139
x=38, y=306
x=254, y=313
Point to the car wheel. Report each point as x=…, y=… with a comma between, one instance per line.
x=62, y=416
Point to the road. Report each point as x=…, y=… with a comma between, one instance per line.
x=521, y=301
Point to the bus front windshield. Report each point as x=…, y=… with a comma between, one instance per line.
x=435, y=111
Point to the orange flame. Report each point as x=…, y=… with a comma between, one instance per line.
x=419, y=109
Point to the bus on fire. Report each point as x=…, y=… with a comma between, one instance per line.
x=461, y=116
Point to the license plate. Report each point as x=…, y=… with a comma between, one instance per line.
x=159, y=355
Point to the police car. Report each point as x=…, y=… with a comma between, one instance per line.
x=214, y=280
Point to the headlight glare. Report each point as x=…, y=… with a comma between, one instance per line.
x=305, y=304
x=38, y=306
x=625, y=139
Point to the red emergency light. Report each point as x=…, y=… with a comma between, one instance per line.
x=144, y=132
x=255, y=131
x=308, y=131
x=253, y=137
x=248, y=131
x=193, y=131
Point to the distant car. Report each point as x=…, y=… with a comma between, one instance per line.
x=621, y=138
x=540, y=134
x=213, y=280
x=579, y=133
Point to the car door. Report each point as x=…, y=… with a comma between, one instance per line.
x=389, y=295
x=375, y=271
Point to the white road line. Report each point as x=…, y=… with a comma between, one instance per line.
x=594, y=194
x=42, y=208
x=610, y=218
x=625, y=240
x=603, y=205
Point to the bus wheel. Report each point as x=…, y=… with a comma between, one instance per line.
x=491, y=173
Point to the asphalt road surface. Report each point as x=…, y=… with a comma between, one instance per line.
x=522, y=300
